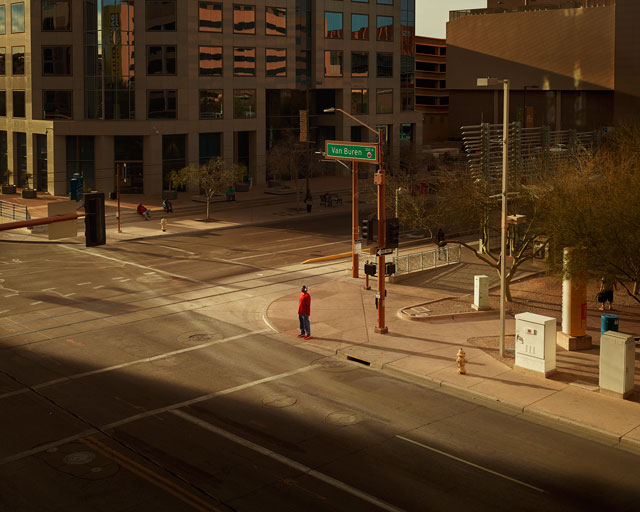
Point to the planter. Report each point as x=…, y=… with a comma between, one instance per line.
x=29, y=193
x=8, y=189
x=242, y=187
x=170, y=194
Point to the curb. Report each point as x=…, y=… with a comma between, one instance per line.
x=448, y=316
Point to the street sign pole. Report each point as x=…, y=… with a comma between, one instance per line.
x=381, y=327
x=354, y=218
x=118, y=194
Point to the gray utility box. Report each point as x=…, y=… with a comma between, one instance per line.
x=617, y=363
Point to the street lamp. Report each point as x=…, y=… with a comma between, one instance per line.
x=379, y=181
x=485, y=82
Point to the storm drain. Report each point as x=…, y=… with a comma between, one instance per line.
x=360, y=361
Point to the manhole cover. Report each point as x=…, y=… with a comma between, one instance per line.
x=198, y=338
x=343, y=418
x=279, y=400
x=79, y=458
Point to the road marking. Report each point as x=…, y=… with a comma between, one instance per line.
x=116, y=278
x=12, y=295
x=83, y=284
x=37, y=302
x=142, y=415
x=472, y=464
x=150, y=476
x=290, y=250
x=288, y=462
x=98, y=287
x=165, y=246
x=124, y=280
x=4, y=311
x=47, y=289
x=68, y=294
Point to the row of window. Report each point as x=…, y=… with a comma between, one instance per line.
x=17, y=18
x=333, y=64
x=333, y=26
x=162, y=104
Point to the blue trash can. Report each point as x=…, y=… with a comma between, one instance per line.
x=608, y=322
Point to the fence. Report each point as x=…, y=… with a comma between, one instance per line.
x=432, y=258
x=14, y=211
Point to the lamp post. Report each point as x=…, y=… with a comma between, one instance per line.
x=380, y=182
x=484, y=82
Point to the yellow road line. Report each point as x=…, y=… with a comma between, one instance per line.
x=150, y=476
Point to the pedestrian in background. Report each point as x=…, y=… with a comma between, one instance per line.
x=304, y=311
x=607, y=285
x=440, y=241
x=167, y=206
x=309, y=201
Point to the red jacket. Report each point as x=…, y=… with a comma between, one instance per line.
x=304, y=305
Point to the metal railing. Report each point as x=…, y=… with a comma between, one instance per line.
x=14, y=211
x=431, y=258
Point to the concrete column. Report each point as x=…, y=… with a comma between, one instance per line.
x=152, y=164
x=104, y=163
x=57, y=163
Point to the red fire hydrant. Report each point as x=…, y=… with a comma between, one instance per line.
x=461, y=360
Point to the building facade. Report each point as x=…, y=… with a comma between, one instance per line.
x=432, y=98
x=92, y=85
x=571, y=64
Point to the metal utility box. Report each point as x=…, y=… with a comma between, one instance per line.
x=617, y=363
x=608, y=322
x=536, y=343
x=480, y=293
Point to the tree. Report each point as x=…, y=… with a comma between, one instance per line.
x=213, y=177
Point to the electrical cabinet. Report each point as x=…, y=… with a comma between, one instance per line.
x=535, y=343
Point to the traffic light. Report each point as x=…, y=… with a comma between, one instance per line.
x=370, y=230
x=94, y=221
x=364, y=235
x=392, y=233
x=370, y=269
x=390, y=268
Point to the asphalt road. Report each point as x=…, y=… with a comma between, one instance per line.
x=142, y=376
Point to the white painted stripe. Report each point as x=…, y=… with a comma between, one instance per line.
x=4, y=311
x=472, y=464
x=165, y=246
x=98, y=287
x=60, y=442
x=291, y=250
x=37, y=302
x=82, y=284
x=113, y=278
x=48, y=289
x=288, y=462
x=12, y=295
x=124, y=280
x=68, y=294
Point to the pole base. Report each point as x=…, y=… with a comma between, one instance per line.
x=381, y=330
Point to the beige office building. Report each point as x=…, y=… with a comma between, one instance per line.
x=90, y=85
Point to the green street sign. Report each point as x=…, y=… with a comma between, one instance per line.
x=353, y=151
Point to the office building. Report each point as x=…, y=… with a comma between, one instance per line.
x=432, y=98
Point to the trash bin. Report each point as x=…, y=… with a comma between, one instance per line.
x=608, y=322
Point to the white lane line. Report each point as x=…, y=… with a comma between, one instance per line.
x=98, y=287
x=290, y=250
x=68, y=294
x=124, y=280
x=47, y=289
x=472, y=464
x=288, y=462
x=166, y=247
x=83, y=284
x=60, y=442
x=4, y=311
x=12, y=295
x=294, y=238
x=37, y=302
x=252, y=256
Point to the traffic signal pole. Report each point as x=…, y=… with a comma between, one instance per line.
x=381, y=326
x=354, y=218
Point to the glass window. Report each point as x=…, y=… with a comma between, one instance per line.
x=161, y=104
x=244, y=103
x=161, y=60
x=19, y=103
x=17, y=18
x=333, y=25
x=161, y=15
x=384, y=64
x=210, y=146
x=359, y=26
x=333, y=63
x=359, y=63
x=276, y=21
x=3, y=20
x=17, y=60
x=244, y=19
x=56, y=60
x=210, y=60
x=276, y=61
x=57, y=104
x=20, y=155
x=385, y=2
x=3, y=63
x=211, y=104
x=361, y=1
x=384, y=101
x=359, y=101
x=210, y=17
x=173, y=156
x=244, y=62
x=4, y=160
x=3, y=103
x=56, y=16
x=384, y=26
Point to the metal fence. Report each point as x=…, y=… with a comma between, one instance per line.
x=14, y=211
x=432, y=258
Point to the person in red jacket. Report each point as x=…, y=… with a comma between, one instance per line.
x=304, y=310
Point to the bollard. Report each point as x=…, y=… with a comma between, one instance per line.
x=163, y=224
x=461, y=360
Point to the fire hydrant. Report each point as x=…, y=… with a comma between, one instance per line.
x=163, y=224
x=461, y=360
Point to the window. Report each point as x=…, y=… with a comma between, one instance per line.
x=276, y=21
x=3, y=103
x=56, y=60
x=161, y=15
x=56, y=16
x=360, y=26
x=4, y=154
x=173, y=156
x=384, y=26
x=426, y=66
x=333, y=63
x=359, y=63
x=275, y=61
x=244, y=19
x=384, y=65
x=210, y=60
x=161, y=104
x=19, y=104
x=211, y=104
x=244, y=62
x=80, y=158
x=3, y=20
x=209, y=146
x=3, y=64
x=244, y=103
x=17, y=60
x=385, y=2
x=426, y=100
x=361, y=1
x=333, y=25
x=426, y=83
x=407, y=98
x=384, y=101
x=161, y=60
x=359, y=101
x=17, y=18
x=20, y=155
x=210, y=17
x=57, y=104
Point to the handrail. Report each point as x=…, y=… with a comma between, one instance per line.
x=15, y=211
